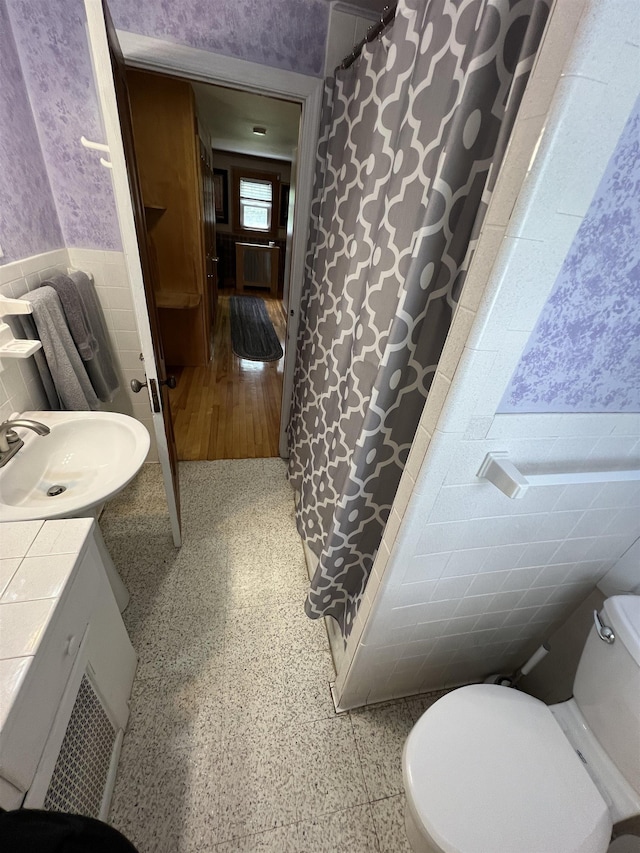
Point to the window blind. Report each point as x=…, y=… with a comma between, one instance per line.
x=256, y=190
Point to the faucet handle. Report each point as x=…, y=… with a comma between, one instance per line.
x=12, y=436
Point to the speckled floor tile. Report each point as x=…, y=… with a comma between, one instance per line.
x=197, y=812
x=271, y=691
x=140, y=734
x=327, y=768
x=388, y=818
x=151, y=599
x=257, y=588
x=265, y=573
x=138, y=549
x=139, y=806
x=380, y=734
x=281, y=840
x=189, y=712
x=257, y=784
x=145, y=493
x=170, y=801
x=182, y=646
x=279, y=627
x=202, y=580
x=233, y=740
x=350, y=831
x=417, y=705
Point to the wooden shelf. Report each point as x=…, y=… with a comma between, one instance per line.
x=153, y=212
x=177, y=299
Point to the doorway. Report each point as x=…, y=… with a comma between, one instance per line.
x=217, y=170
x=110, y=50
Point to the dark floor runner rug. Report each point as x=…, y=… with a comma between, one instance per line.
x=252, y=332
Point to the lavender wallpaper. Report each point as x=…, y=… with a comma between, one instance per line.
x=52, y=48
x=289, y=34
x=54, y=55
x=28, y=218
x=584, y=354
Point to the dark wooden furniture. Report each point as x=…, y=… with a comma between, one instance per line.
x=177, y=189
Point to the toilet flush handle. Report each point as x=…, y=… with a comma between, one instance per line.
x=604, y=632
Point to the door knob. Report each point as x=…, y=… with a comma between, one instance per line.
x=137, y=386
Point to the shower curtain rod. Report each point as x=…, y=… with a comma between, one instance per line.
x=388, y=14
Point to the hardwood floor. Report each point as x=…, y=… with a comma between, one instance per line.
x=231, y=408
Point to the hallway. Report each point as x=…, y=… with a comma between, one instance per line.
x=229, y=409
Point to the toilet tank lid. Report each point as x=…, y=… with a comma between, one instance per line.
x=623, y=615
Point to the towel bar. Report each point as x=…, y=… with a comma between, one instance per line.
x=498, y=469
x=89, y=275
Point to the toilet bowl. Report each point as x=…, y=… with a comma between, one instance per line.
x=488, y=769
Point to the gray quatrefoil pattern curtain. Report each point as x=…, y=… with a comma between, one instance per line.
x=412, y=136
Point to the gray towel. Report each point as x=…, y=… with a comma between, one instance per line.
x=75, y=313
x=31, y=333
x=101, y=369
x=67, y=370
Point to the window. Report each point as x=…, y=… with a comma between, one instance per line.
x=256, y=203
x=256, y=196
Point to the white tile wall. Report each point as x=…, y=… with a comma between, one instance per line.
x=20, y=387
x=466, y=581
x=114, y=292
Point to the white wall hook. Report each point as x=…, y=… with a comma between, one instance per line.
x=106, y=163
x=97, y=146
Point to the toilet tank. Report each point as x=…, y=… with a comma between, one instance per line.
x=607, y=685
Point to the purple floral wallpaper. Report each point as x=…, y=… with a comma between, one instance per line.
x=53, y=50
x=584, y=354
x=28, y=218
x=289, y=34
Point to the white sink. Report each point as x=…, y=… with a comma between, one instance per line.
x=93, y=455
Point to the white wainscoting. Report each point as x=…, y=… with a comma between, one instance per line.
x=20, y=386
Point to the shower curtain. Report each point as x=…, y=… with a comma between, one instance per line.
x=412, y=136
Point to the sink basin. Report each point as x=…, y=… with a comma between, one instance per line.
x=87, y=458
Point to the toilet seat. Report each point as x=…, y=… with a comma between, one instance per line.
x=487, y=769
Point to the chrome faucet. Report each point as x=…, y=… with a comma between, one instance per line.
x=10, y=442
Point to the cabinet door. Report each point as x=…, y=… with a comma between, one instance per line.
x=163, y=114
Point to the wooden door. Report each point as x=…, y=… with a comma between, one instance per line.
x=109, y=71
x=209, y=230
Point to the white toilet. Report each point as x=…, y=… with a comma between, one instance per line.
x=489, y=769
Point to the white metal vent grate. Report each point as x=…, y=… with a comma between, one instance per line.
x=80, y=775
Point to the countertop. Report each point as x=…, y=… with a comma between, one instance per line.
x=37, y=561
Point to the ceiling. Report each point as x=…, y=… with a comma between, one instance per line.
x=230, y=116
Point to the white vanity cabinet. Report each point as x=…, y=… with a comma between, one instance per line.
x=66, y=669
